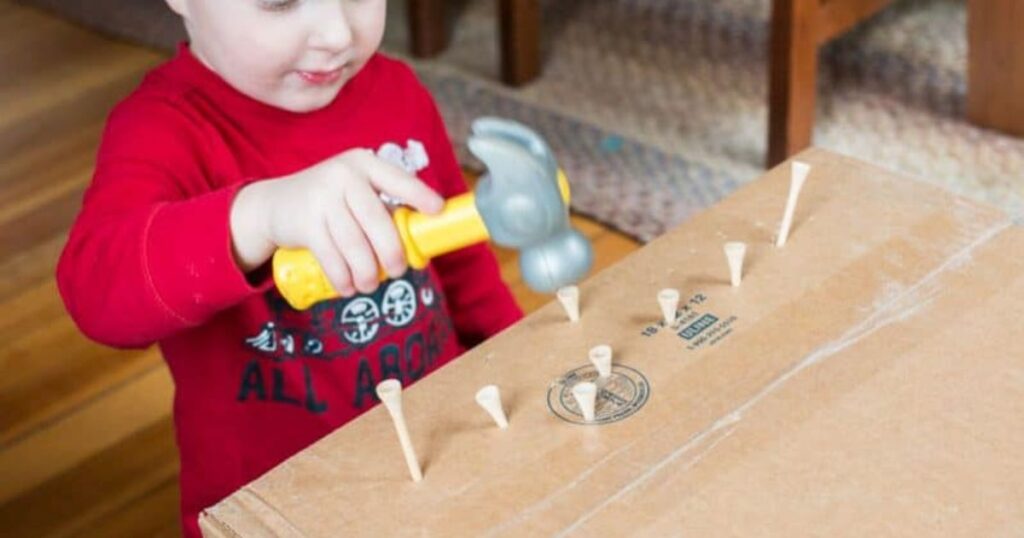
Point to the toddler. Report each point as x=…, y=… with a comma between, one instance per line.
x=277, y=125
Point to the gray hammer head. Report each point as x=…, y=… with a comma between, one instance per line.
x=520, y=203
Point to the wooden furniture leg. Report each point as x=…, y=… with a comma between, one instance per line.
x=520, y=41
x=427, y=27
x=995, y=64
x=799, y=27
x=792, y=77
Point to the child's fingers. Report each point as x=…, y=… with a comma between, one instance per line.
x=355, y=249
x=398, y=183
x=332, y=264
x=379, y=228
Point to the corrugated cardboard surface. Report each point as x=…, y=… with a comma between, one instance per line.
x=867, y=378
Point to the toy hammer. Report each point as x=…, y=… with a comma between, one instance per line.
x=521, y=202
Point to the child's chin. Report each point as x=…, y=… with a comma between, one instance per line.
x=307, y=101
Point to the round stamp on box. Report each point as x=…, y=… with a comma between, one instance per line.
x=619, y=396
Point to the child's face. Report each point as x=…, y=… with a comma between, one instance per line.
x=292, y=54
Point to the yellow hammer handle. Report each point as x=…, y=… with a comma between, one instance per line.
x=302, y=282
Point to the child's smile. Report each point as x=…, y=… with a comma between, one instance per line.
x=323, y=77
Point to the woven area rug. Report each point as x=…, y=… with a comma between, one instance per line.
x=657, y=108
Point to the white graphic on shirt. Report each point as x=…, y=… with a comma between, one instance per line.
x=313, y=346
x=288, y=344
x=268, y=339
x=360, y=320
x=427, y=296
x=265, y=340
x=412, y=158
x=401, y=330
x=399, y=303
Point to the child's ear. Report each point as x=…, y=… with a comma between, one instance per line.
x=178, y=6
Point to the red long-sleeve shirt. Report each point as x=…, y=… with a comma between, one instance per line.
x=149, y=260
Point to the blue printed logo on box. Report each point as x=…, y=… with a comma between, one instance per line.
x=698, y=326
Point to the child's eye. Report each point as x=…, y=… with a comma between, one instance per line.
x=277, y=5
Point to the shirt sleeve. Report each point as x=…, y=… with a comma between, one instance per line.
x=480, y=302
x=150, y=252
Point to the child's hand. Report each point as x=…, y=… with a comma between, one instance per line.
x=334, y=210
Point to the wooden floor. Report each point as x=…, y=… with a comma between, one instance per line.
x=86, y=446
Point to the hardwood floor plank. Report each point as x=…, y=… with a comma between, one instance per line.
x=72, y=55
x=29, y=267
x=54, y=218
x=153, y=514
x=31, y=308
x=55, y=41
x=14, y=210
x=37, y=164
x=52, y=88
x=95, y=427
x=72, y=356
x=73, y=151
x=25, y=129
x=57, y=393
x=106, y=494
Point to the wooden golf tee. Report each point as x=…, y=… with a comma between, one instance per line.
x=569, y=296
x=390, y=393
x=734, y=254
x=798, y=175
x=601, y=356
x=489, y=398
x=586, y=396
x=668, y=299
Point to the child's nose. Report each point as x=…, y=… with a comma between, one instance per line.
x=331, y=31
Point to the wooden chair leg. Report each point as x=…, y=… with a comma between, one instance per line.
x=520, y=41
x=995, y=64
x=793, y=77
x=427, y=27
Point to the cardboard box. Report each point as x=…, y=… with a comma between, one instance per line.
x=866, y=379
